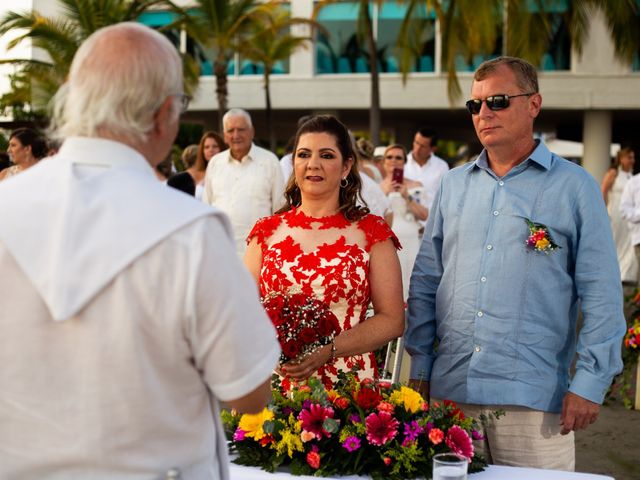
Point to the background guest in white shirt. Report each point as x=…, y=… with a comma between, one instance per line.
x=245, y=181
x=424, y=165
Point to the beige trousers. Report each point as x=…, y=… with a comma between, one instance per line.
x=523, y=438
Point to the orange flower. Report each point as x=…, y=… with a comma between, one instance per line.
x=436, y=436
x=385, y=407
x=313, y=459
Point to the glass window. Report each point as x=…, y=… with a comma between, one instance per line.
x=158, y=19
x=422, y=36
x=340, y=51
x=558, y=55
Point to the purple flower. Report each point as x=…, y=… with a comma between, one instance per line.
x=428, y=427
x=287, y=411
x=412, y=430
x=476, y=435
x=351, y=444
x=306, y=404
x=355, y=419
x=238, y=435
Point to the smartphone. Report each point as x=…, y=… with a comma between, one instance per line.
x=398, y=175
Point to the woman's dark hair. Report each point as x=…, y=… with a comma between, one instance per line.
x=348, y=198
x=32, y=138
x=201, y=162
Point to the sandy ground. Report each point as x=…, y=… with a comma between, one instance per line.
x=611, y=446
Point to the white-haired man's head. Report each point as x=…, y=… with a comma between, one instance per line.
x=238, y=132
x=120, y=77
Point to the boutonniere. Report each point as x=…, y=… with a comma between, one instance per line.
x=539, y=239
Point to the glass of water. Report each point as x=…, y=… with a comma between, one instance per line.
x=449, y=466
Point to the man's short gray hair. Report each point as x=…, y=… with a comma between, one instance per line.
x=526, y=74
x=119, y=78
x=236, y=112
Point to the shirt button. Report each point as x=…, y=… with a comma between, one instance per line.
x=477, y=349
x=483, y=279
x=496, y=213
x=501, y=183
x=489, y=247
x=480, y=314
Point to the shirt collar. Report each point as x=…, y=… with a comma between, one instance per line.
x=540, y=155
x=103, y=152
x=249, y=156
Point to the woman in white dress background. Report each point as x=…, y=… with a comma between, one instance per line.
x=612, y=185
x=407, y=199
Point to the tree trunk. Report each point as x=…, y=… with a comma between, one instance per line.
x=268, y=112
x=222, y=93
x=374, y=116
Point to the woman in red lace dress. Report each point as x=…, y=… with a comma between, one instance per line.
x=325, y=245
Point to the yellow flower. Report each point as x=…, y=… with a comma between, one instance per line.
x=251, y=424
x=542, y=244
x=408, y=398
x=290, y=442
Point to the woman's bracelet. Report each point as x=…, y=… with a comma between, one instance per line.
x=333, y=349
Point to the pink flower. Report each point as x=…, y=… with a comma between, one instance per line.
x=351, y=444
x=238, y=435
x=313, y=459
x=381, y=428
x=313, y=420
x=459, y=442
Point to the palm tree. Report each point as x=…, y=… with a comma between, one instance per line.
x=469, y=28
x=270, y=42
x=365, y=33
x=59, y=38
x=220, y=27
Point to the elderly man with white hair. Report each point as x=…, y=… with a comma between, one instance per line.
x=119, y=326
x=245, y=181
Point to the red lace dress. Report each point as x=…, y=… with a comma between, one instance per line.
x=326, y=257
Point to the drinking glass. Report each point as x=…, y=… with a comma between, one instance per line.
x=449, y=466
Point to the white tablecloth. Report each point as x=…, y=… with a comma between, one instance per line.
x=493, y=472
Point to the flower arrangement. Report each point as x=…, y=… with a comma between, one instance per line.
x=623, y=384
x=632, y=337
x=303, y=323
x=539, y=239
x=357, y=428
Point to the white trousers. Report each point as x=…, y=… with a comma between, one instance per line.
x=523, y=438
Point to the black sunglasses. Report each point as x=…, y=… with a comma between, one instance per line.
x=494, y=102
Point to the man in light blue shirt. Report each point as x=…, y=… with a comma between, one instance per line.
x=516, y=243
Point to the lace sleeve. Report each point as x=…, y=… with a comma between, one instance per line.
x=377, y=230
x=263, y=229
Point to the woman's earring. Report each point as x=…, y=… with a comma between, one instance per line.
x=344, y=183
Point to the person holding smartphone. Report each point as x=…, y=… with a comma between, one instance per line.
x=407, y=199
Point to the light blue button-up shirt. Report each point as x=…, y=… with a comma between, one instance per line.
x=504, y=316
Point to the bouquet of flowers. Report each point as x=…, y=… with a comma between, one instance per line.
x=303, y=323
x=357, y=428
x=623, y=384
x=632, y=337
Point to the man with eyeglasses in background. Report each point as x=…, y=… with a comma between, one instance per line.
x=125, y=316
x=515, y=243
x=424, y=166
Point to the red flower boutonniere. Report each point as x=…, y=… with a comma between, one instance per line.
x=539, y=239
